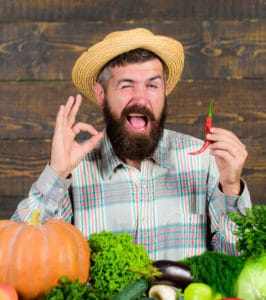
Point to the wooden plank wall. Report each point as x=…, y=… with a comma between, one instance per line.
x=225, y=47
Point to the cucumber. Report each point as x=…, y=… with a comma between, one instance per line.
x=133, y=290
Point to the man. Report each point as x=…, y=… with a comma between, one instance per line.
x=136, y=176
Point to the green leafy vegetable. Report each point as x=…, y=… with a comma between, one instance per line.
x=218, y=270
x=72, y=290
x=251, y=283
x=251, y=231
x=112, y=256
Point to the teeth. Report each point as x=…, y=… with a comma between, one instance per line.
x=135, y=115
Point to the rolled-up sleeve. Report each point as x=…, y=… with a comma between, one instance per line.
x=49, y=194
x=223, y=228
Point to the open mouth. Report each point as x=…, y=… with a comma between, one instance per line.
x=139, y=123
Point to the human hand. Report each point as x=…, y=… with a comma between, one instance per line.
x=66, y=153
x=230, y=154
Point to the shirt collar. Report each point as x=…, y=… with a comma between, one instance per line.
x=161, y=154
x=110, y=161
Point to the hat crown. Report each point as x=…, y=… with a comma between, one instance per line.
x=89, y=64
x=125, y=33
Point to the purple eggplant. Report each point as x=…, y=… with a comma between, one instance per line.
x=173, y=273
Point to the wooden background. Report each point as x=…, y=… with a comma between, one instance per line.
x=225, y=47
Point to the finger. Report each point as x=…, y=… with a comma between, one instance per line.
x=226, y=144
x=222, y=154
x=74, y=110
x=91, y=143
x=59, y=118
x=234, y=157
x=219, y=134
x=226, y=161
x=233, y=148
x=67, y=108
x=80, y=126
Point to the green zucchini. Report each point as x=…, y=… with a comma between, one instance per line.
x=148, y=298
x=133, y=290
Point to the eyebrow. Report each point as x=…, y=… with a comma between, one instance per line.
x=132, y=81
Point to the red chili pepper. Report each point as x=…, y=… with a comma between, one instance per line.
x=208, y=125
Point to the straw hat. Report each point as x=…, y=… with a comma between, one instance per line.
x=90, y=63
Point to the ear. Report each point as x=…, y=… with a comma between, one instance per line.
x=99, y=93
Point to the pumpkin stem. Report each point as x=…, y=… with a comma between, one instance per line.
x=35, y=216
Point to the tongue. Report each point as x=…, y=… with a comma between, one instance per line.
x=137, y=122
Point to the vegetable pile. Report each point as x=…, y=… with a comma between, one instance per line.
x=122, y=270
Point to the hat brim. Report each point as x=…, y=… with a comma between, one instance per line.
x=89, y=64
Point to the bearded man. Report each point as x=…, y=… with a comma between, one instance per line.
x=136, y=176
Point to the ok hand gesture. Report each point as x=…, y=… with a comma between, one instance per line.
x=66, y=153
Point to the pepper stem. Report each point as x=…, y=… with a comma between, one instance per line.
x=35, y=217
x=209, y=115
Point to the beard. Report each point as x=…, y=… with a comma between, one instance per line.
x=129, y=145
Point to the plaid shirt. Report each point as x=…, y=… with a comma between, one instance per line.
x=172, y=206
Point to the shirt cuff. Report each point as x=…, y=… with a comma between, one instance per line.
x=238, y=202
x=49, y=179
x=244, y=199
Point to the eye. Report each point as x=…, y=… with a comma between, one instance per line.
x=126, y=86
x=152, y=85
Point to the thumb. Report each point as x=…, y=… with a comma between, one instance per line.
x=92, y=142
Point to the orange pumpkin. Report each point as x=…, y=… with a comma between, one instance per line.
x=33, y=257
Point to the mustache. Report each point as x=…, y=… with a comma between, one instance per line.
x=138, y=109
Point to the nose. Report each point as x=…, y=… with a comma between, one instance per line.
x=139, y=95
